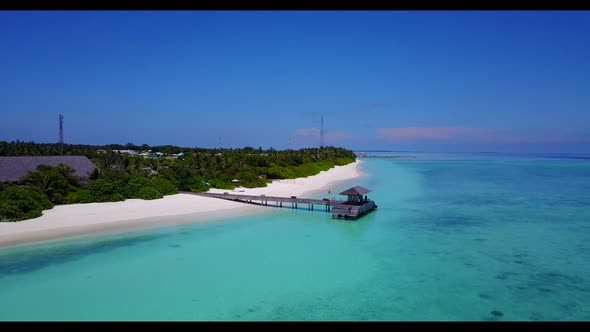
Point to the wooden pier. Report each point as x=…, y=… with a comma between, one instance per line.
x=353, y=208
x=364, y=155
x=276, y=201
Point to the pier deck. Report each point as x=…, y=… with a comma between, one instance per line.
x=278, y=200
x=340, y=209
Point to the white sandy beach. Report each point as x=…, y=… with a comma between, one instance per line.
x=66, y=221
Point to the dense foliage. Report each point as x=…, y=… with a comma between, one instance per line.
x=123, y=176
x=18, y=203
x=53, y=182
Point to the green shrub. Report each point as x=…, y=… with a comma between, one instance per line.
x=144, y=188
x=164, y=186
x=116, y=197
x=10, y=212
x=102, y=189
x=19, y=203
x=149, y=193
x=168, y=174
x=220, y=184
x=79, y=196
x=198, y=189
x=343, y=161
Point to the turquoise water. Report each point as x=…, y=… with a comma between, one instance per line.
x=456, y=237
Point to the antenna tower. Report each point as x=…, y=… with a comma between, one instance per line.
x=322, y=132
x=61, y=133
x=61, y=129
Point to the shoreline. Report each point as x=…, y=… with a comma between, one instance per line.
x=73, y=221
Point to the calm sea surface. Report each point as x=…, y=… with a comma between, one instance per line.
x=456, y=237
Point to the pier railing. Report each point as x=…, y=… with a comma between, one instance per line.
x=277, y=200
x=340, y=209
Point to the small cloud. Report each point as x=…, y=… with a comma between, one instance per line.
x=370, y=106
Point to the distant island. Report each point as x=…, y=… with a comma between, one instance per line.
x=118, y=172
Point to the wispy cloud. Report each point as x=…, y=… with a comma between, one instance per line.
x=329, y=135
x=370, y=106
x=478, y=135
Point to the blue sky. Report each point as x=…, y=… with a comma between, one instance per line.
x=508, y=81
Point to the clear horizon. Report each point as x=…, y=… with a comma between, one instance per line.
x=464, y=81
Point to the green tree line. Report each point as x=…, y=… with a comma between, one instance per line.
x=121, y=176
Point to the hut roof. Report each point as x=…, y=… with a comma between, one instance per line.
x=355, y=191
x=13, y=168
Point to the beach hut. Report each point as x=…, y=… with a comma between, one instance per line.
x=355, y=206
x=355, y=194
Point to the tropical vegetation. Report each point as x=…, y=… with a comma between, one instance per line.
x=121, y=176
